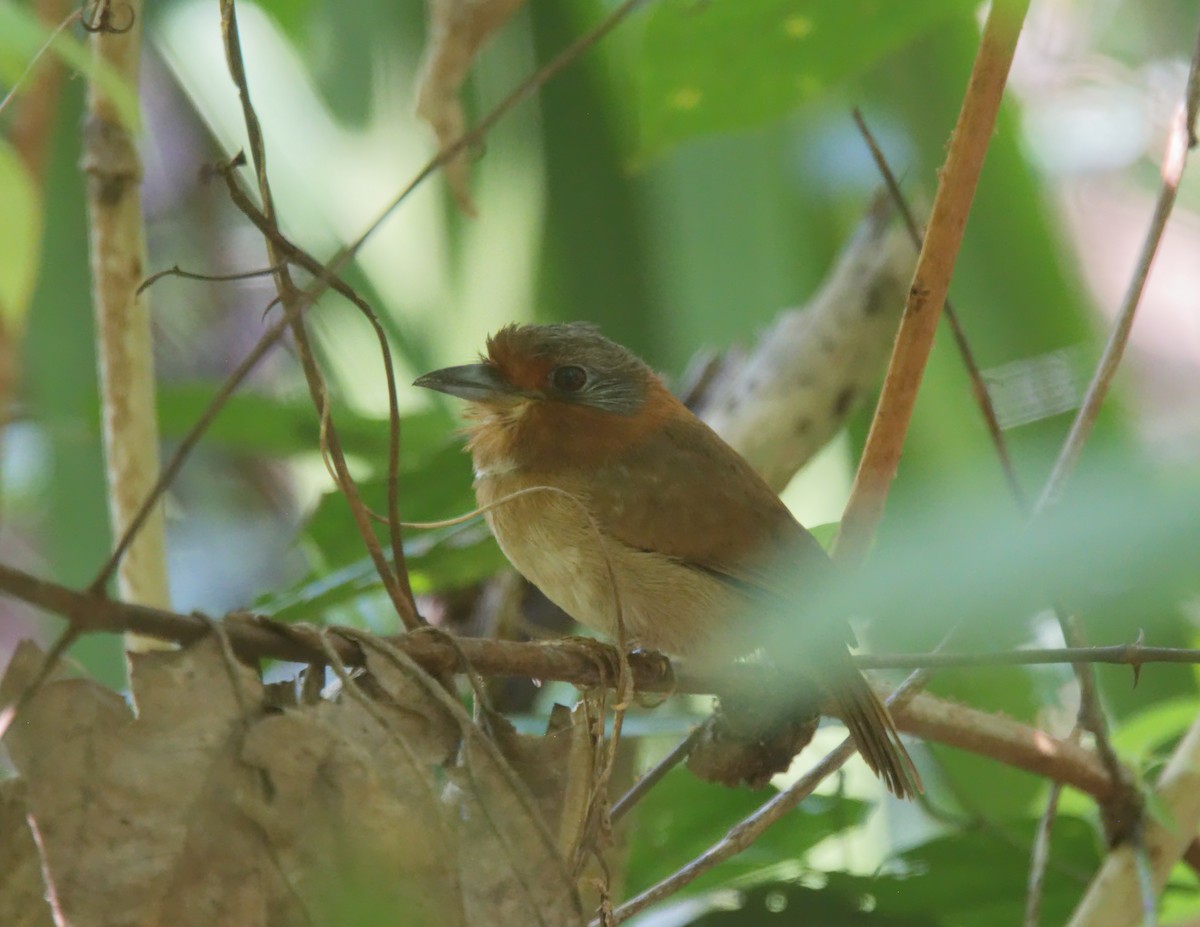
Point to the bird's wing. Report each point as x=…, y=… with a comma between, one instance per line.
x=686, y=494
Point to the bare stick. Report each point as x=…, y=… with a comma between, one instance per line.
x=1182, y=135
x=1039, y=858
x=253, y=637
x=1091, y=713
x=951, y=205
x=189, y=441
x=655, y=774
x=394, y=575
x=978, y=388
x=177, y=271
x=124, y=341
x=1117, y=895
x=476, y=134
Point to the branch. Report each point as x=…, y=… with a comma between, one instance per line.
x=1181, y=137
x=983, y=397
x=811, y=369
x=126, y=360
x=393, y=575
x=1115, y=898
x=1010, y=742
x=592, y=664
x=951, y=205
x=743, y=834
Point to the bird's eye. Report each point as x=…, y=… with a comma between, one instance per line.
x=568, y=378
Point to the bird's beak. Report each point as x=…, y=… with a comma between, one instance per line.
x=476, y=382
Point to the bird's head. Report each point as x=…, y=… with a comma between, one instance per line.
x=559, y=389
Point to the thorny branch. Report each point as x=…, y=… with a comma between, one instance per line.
x=1125, y=819
x=1124, y=812
x=254, y=637
x=247, y=633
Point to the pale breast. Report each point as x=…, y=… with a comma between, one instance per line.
x=550, y=539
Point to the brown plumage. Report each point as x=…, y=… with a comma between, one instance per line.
x=647, y=499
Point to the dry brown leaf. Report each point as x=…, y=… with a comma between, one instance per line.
x=212, y=808
x=22, y=891
x=511, y=869
x=457, y=30
x=136, y=818
x=353, y=815
x=558, y=769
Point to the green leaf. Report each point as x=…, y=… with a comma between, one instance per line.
x=256, y=423
x=1140, y=736
x=436, y=488
x=683, y=816
x=978, y=878
x=20, y=238
x=437, y=563
x=786, y=52
x=972, y=879
x=23, y=39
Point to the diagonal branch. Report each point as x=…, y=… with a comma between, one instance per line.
x=393, y=575
x=951, y=206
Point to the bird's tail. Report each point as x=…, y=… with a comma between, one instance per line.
x=875, y=733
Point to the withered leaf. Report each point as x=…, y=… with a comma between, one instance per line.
x=22, y=891
x=136, y=817
x=215, y=807
x=457, y=30
x=511, y=867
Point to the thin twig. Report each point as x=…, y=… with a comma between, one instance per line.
x=70, y=634
x=914, y=340
x=473, y=137
x=1181, y=135
x=67, y=22
x=177, y=271
x=393, y=575
x=1039, y=856
x=1125, y=820
x=189, y=441
x=1118, y=895
x=253, y=637
x=978, y=387
x=655, y=774
x=340, y=474
x=259, y=637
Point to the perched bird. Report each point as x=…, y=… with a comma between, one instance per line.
x=651, y=516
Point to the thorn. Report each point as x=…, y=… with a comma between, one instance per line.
x=1134, y=647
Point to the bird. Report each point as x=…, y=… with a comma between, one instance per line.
x=636, y=518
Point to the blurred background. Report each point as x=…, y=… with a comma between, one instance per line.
x=679, y=185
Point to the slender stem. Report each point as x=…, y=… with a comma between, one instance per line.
x=978, y=387
x=1180, y=138
x=914, y=340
